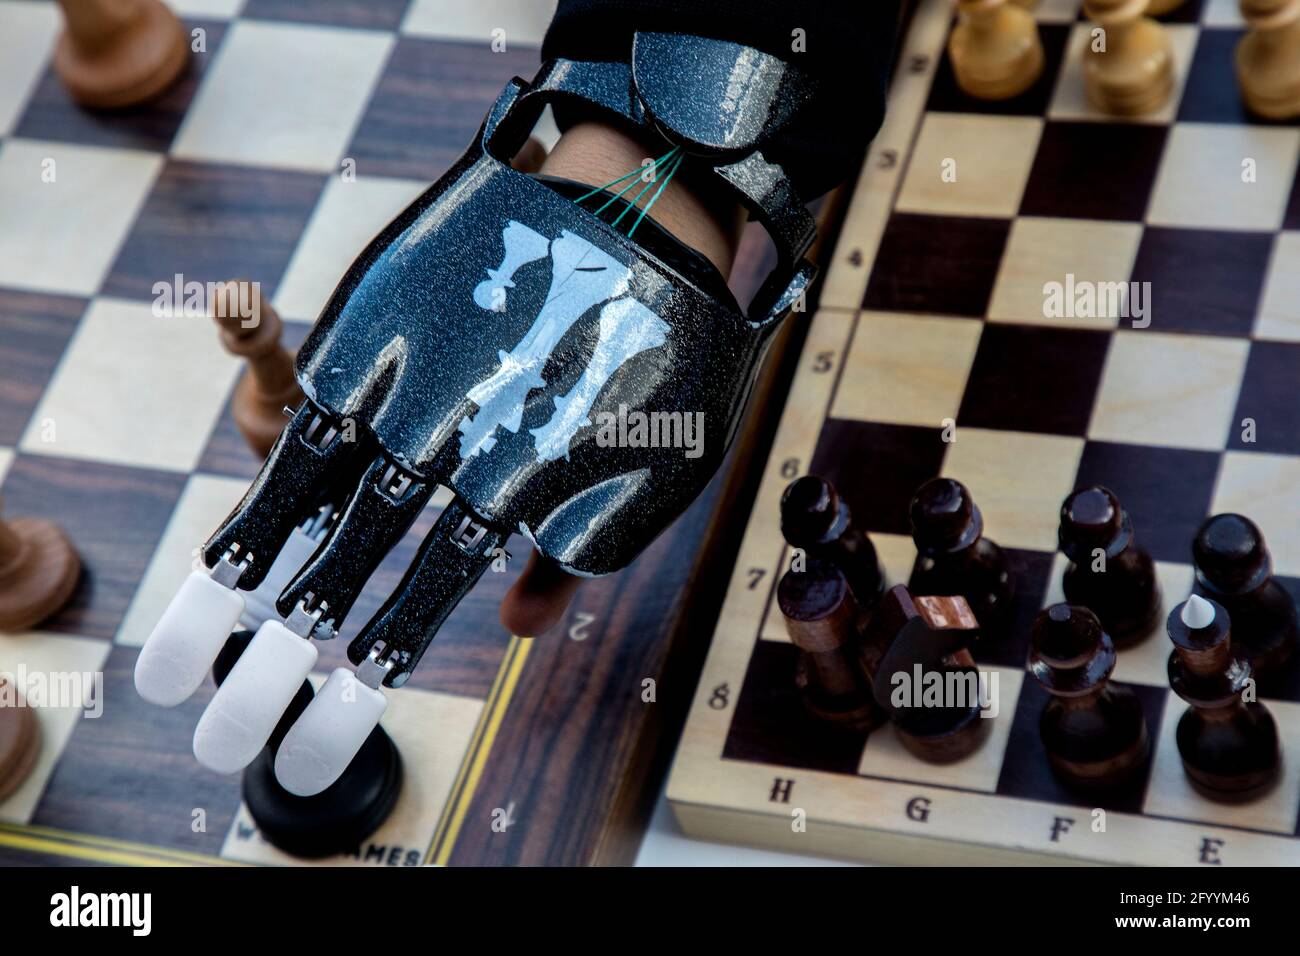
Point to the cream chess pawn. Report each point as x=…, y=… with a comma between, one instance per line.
x=995, y=49
x=1128, y=69
x=1268, y=58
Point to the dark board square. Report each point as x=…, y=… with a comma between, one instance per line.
x=34, y=329
x=1211, y=94
x=1093, y=171
x=770, y=724
x=1269, y=397
x=374, y=14
x=429, y=103
x=877, y=468
x=51, y=113
x=1032, y=572
x=1167, y=491
x=1027, y=773
x=947, y=97
x=1288, y=687
x=1034, y=379
x=130, y=773
x=1201, y=280
x=211, y=223
x=939, y=264
x=1292, y=218
x=114, y=517
x=1189, y=11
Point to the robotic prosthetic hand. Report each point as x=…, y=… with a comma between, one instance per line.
x=476, y=343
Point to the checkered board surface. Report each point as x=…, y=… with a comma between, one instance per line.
x=116, y=423
x=933, y=311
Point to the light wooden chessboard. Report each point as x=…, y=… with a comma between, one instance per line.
x=933, y=310
x=116, y=424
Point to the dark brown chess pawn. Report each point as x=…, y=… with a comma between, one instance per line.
x=251, y=328
x=1109, y=573
x=39, y=569
x=1094, y=732
x=815, y=519
x=956, y=558
x=1229, y=745
x=1234, y=568
x=833, y=675
x=923, y=644
x=20, y=738
x=117, y=53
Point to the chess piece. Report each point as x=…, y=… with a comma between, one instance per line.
x=337, y=819
x=1109, y=573
x=815, y=519
x=39, y=569
x=833, y=675
x=1094, y=732
x=1268, y=58
x=20, y=738
x=926, y=679
x=251, y=328
x=1227, y=739
x=118, y=53
x=956, y=558
x=995, y=49
x=1234, y=568
x=1128, y=69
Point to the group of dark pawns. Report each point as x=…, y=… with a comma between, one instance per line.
x=859, y=642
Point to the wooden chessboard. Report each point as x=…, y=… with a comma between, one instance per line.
x=933, y=315
x=116, y=423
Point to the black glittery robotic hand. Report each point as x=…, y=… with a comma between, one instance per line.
x=502, y=339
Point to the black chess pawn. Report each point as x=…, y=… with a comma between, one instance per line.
x=955, y=557
x=1234, y=568
x=817, y=520
x=926, y=679
x=1228, y=740
x=834, y=674
x=1109, y=573
x=340, y=817
x=1094, y=732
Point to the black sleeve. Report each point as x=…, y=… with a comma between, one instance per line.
x=847, y=48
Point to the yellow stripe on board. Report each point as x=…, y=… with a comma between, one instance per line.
x=83, y=846
x=471, y=768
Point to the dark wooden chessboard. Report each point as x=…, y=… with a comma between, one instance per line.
x=932, y=320
x=116, y=423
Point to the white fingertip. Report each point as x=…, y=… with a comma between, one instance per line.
x=249, y=703
x=1197, y=612
x=323, y=741
x=186, y=640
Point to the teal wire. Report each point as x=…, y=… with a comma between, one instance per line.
x=636, y=172
x=653, y=199
x=618, y=195
x=636, y=199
